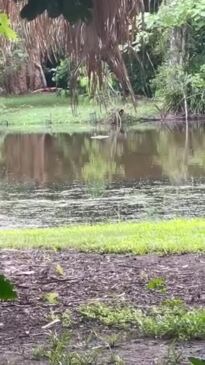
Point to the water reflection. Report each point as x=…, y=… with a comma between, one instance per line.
x=64, y=178
x=46, y=159
x=102, y=166
x=173, y=156
x=180, y=155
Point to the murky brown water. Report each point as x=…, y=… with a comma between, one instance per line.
x=48, y=180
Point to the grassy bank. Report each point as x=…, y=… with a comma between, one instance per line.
x=174, y=236
x=43, y=112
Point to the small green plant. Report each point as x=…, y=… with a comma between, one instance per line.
x=173, y=356
x=112, y=340
x=57, y=348
x=109, y=316
x=7, y=291
x=177, y=322
x=59, y=270
x=158, y=284
x=58, y=352
x=116, y=360
x=174, y=304
x=196, y=361
x=51, y=298
x=52, y=316
x=66, y=318
x=39, y=353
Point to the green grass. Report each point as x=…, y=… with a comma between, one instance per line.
x=164, y=321
x=41, y=113
x=174, y=236
x=35, y=100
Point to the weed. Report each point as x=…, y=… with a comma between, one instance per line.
x=66, y=318
x=58, y=352
x=143, y=275
x=173, y=357
x=57, y=348
x=116, y=360
x=39, y=353
x=52, y=316
x=51, y=298
x=111, y=316
x=157, y=284
x=110, y=341
x=177, y=322
x=174, y=304
x=113, y=340
x=159, y=322
x=59, y=270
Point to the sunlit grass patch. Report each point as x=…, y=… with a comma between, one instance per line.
x=165, y=237
x=40, y=112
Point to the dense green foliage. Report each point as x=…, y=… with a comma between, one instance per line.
x=167, y=57
x=143, y=57
x=181, y=30
x=62, y=78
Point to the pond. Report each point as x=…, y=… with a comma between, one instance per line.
x=59, y=179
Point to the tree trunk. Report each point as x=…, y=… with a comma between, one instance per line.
x=26, y=78
x=177, y=52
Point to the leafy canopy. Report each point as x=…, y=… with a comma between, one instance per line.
x=72, y=10
x=177, y=13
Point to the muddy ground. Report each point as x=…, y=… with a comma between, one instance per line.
x=87, y=277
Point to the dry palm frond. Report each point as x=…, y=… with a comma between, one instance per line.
x=91, y=44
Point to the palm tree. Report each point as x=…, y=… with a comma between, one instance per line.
x=93, y=43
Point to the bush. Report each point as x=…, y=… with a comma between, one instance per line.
x=174, y=84
x=62, y=77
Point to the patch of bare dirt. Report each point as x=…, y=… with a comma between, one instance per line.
x=87, y=277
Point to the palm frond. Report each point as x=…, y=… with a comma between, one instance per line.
x=91, y=44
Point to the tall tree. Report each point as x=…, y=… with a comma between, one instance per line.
x=90, y=32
